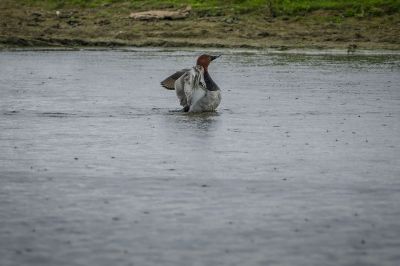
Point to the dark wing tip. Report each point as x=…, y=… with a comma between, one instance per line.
x=168, y=84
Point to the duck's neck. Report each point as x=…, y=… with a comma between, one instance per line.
x=210, y=84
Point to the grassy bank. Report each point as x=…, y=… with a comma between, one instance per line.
x=276, y=7
x=370, y=24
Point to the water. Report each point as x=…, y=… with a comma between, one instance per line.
x=300, y=165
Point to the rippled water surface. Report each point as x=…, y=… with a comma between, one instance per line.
x=300, y=165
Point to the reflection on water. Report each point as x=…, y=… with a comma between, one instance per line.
x=207, y=121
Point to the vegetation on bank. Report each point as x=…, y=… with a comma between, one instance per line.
x=348, y=8
x=368, y=24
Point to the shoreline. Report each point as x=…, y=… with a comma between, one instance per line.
x=29, y=25
x=229, y=50
x=279, y=45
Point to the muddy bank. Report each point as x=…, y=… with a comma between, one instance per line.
x=112, y=25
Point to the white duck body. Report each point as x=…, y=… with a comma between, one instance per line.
x=192, y=92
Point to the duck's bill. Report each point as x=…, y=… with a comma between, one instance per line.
x=214, y=57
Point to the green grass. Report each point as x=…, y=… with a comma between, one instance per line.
x=347, y=8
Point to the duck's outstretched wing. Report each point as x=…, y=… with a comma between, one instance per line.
x=190, y=87
x=169, y=83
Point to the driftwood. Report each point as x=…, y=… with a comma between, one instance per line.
x=161, y=14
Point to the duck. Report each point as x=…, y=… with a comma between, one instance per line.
x=194, y=87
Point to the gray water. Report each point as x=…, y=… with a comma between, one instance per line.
x=300, y=165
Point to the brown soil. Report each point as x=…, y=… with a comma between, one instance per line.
x=27, y=25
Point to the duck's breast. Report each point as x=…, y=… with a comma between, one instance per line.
x=198, y=94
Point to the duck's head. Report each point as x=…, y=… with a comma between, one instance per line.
x=204, y=60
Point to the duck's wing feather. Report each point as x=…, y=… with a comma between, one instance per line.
x=190, y=87
x=180, y=85
x=169, y=83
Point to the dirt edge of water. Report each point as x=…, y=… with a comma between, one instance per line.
x=105, y=26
